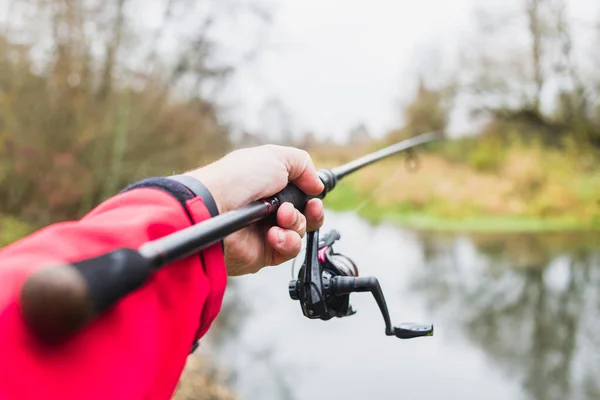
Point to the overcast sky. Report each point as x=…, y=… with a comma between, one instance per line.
x=337, y=63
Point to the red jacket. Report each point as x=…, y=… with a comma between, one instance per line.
x=138, y=349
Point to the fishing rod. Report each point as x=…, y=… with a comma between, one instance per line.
x=59, y=301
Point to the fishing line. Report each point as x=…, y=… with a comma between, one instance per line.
x=355, y=210
x=411, y=164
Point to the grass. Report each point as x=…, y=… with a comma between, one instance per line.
x=469, y=186
x=485, y=224
x=12, y=229
x=345, y=199
x=522, y=189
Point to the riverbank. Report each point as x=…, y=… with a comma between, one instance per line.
x=491, y=189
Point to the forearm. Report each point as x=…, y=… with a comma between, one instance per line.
x=138, y=348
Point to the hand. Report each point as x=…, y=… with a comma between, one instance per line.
x=252, y=174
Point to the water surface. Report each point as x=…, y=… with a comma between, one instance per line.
x=516, y=317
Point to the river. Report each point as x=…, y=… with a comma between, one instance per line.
x=516, y=317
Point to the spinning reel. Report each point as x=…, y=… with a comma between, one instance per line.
x=326, y=280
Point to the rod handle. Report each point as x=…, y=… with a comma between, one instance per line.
x=292, y=194
x=58, y=301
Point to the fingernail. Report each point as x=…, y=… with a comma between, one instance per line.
x=280, y=237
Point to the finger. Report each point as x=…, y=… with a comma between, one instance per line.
x=244, y=250
x=315, y=215
x=285, y=244
x=290, y=218
x=301, y=170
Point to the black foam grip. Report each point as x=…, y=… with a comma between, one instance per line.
x=111, y=276
x=292, y=194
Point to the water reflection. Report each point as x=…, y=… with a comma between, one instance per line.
x=530, y=301
x=227, y=338
x=516, y=318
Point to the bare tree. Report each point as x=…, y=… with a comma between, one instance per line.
x=537, y=37
x=535, y=88
x=97, y=101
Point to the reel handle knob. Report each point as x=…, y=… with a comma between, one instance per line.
x=410, y=330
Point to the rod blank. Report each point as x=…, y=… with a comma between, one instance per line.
x=346, y=169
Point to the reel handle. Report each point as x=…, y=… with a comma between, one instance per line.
x=346, y=285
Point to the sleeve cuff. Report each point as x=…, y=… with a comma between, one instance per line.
x=175, y=189
x=183, y=188
x=198, y=189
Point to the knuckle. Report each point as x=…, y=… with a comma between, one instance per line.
x=303, y=157
x=271, y=148
x=305, y=154
x=300, y=221
x=303, y=222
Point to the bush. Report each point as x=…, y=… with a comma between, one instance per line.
x=12, y=229
x=67, y=144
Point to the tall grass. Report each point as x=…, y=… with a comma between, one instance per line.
x=484, y=184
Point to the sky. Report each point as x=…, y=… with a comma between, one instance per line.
x=336, y=64
x=331, y=65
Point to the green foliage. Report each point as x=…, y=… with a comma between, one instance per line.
x=66, y=144
x=344, y=197
x=427, y=111
x=438, y=217
x=485, y=157
x=12, y=229
x=484, y=184
x=453, y=150
x=481, y=153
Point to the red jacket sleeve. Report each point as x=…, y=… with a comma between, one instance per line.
x=136, y=350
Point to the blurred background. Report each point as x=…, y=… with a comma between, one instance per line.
x=493, y=238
